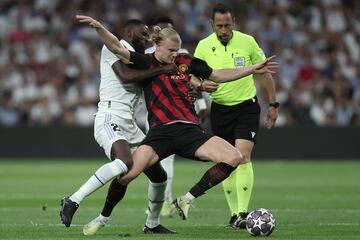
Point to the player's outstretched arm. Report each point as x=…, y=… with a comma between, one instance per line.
x=110, y=41
x=203, y=85
x=128, y=75
x=231, y=74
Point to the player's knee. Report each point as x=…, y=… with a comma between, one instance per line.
x=127, y=161
x=246, y=157
x=156, y=174
x=161, y=177
x=235, y=158
x=120, y=150
x=158, y=179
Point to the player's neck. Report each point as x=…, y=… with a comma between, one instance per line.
x=223, y=42
x=158, y=58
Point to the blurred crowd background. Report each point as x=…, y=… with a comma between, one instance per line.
x=49, y=64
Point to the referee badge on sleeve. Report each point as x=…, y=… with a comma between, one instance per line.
x=239, y=62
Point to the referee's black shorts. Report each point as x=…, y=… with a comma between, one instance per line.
x=239, y=121
x=178, y=138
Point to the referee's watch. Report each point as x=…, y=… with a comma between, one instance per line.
x=274, y=104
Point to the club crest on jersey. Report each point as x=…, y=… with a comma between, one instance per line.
x=239, y=62
x=183, y=68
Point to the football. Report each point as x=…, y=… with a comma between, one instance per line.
x=260, y=222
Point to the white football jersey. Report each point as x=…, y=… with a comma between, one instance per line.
x=115, y=96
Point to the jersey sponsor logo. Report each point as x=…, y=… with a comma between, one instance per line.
x=181, y=76
x=239, y=62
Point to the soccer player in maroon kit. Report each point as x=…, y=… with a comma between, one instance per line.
x=174, y=126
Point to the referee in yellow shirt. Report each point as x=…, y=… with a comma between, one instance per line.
x=235, y=112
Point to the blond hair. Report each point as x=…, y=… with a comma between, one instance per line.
x=159, y=35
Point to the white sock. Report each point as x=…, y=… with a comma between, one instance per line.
x=168, y=165
x=102, y=219
x=189, y=198
x=105, y=173
x=156, y=201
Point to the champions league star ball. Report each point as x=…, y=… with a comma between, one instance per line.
x=260, y=222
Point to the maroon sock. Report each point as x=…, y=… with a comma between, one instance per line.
x=212, y=177
x=116, y=192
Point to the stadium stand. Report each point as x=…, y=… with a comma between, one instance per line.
x=49, y=64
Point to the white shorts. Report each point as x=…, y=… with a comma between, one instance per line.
x=109, y=127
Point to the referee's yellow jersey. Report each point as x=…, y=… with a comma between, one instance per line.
x=241, y=51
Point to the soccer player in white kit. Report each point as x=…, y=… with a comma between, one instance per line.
x=117, y=133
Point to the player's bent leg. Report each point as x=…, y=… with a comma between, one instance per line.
x=143, y=158
x=226, y=158
x=118, y=186
x=211, y=178
x=115, y=194
x=119, y=150
x=218, y=150
x=101, y=176
x=109, y=135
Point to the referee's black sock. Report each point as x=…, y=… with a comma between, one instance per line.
x=116, y=192
x=212, y=177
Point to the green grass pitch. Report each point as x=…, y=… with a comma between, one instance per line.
x=309, y=199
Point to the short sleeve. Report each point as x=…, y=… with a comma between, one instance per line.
x=199, y=51
x=257, y=54
x=108, y=56
x=139, y=61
